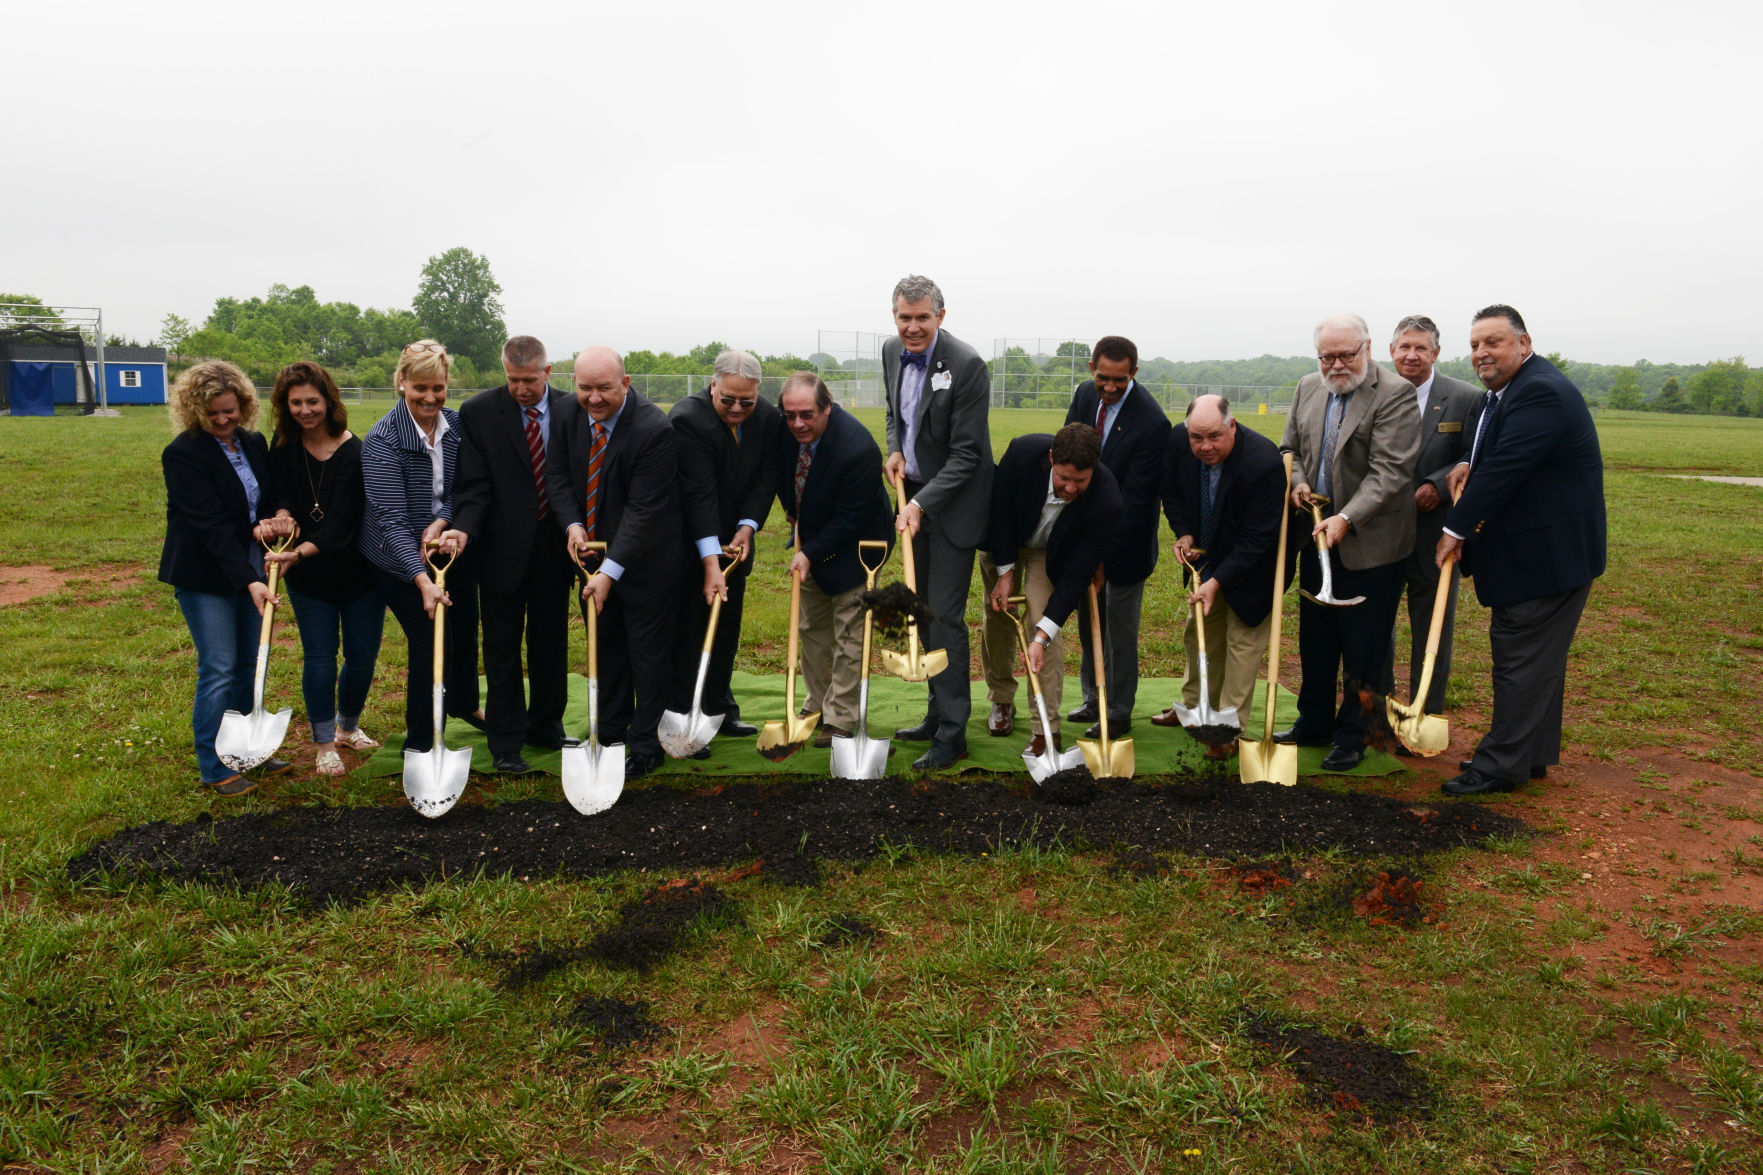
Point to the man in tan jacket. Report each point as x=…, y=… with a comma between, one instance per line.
x=1354, y=433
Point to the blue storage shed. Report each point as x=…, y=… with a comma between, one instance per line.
x=132, y=375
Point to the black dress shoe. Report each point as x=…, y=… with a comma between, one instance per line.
x=638, y=764
x=1084, y=713
x=551, y=740
x=1292, y=736
x=703, y=753
x=512, y=764
x=735, y=728
x=1343, y=758
x=924, y=732
x=941, y=754
x=1537, y=772
x=1474, y=783
x=1115, y=729
x=272, y=767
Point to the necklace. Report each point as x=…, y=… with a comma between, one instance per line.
x=316, y=514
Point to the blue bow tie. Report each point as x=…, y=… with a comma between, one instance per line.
x=914, y=358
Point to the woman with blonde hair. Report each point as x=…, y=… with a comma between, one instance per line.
x=315, y=463
x=409, y=462
x=217, y=507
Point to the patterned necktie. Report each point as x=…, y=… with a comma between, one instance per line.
x=596, y=455
x=1337, y=407
x=535, y=447
x=1207, y=474
x=801, y=477
x=1488, y=400
x=914, y=358
x=735, y=433
x=1101, y=419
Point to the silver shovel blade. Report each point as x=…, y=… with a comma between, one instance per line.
x=435, y=779
x=1049, y=763
x=859, y=757
x=593, y=777
x=245, y=740
x=684, y=735
x=1224, y=717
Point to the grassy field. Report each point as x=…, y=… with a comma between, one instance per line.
x=1587, y=1000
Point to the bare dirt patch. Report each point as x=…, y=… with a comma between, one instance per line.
x=18, y=584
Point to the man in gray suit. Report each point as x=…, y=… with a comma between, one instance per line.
x=939, y=391
x=1353, y=432
x=1449, y=409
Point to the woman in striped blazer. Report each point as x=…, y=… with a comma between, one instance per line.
x=409, y=461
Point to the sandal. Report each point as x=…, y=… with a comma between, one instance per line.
x=357, y=740
x=330, y=763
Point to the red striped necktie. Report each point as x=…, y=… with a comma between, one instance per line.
x=1101, y=416
x=535, y=447
x=596, y=456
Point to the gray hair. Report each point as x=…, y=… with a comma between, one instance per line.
x=736, y=363
x=1341, y=322
x=1224, y=416
x=1416, y=322
x=915, y=287
x=524, y=351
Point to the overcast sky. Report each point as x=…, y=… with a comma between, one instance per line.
x=1208, y=179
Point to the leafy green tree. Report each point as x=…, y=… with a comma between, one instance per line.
x=1719, y=387
x=1670, y=398
x=1560, y=363
x=30, y=306
x=1625, y=392
x=1074, y=348
x=173, y=331
x=456, y=303
x=704, y=358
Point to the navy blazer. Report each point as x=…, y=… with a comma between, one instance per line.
x=1533, y=509
x=1082, y=535
x=1245, y=527
x=208, y=542
x=638, y=516
x=399, y=477
x=721, y=482
x=1133, y=450
x=496, y=501
x=843, y=500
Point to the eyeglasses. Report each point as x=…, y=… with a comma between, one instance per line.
x=734, y=402
x=419, y=348
x=804, y=414
x=1329, y=359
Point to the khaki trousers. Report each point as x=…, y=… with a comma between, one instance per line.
x=999, y=651
x=832, y=654
x=1234, y=655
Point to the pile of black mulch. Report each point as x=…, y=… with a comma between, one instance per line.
x=645, y=932
x=1352, y=1076
x=1216, y=734
x=845, y=929
x=332, y=854
x=613, y=1022
x=893, y=607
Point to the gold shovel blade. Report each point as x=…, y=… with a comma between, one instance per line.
x=1426, y=735
x=930, y=663
x=781, y=739
x=1267, y=761
x=1115, y=763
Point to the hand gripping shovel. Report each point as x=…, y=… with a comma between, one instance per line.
x=1051, y=761
x=914, y=664
x=859, y=756
x=779, y=740
x=435, y=779
x=1327, y=598
x=593, y=775
x=1425, y=734
x=245, y=740
x=684, y=735
x=1108, y=758
x=1268, y=760
x=1203, y=719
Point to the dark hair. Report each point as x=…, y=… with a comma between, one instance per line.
x=1501, y=310
x=823, y=397
x=336, y=417
x=1116, y=347
x=1078, y=445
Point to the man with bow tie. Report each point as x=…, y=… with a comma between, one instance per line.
x=1353, y=432
x=939, y=393
x=1530, y=529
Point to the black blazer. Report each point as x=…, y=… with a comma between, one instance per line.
x=639, y=515
x=721, y=482
x=1082, y=535
x=843, y=500
x=208, y=541
x=1134, y=453
x=1533, y=509
x=1245, y=531
x=495, y=501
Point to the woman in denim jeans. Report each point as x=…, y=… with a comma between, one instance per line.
x=217, y=508
x=315, y=466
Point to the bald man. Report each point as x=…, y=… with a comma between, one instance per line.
x=1223, y=490
x=612, y=478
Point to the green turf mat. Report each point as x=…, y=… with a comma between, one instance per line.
x=894, y=703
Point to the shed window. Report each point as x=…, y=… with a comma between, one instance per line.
x=131, y=379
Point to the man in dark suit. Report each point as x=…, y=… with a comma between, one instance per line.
x=1530, y=530
x=1223, y=491
x=500, y=504
x=939, y=391
x=613, y=479
x=829, y=480
x=1353, y=432
x=1134, y=430
x=725, y=439
x=1449, y=409
x=1055, y=510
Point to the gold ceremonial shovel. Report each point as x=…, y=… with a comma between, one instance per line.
x=779, y=740
x=914, y=664
x=1425, y=734
x=684, y=735
x=593, y=775
x=435, y=779
x=1107, y=758
x=859, y=756
x=1327, y=598
x=1268, y=760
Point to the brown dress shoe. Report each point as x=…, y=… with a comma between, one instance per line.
x=1002, y=720
x=1037, y=746
x=1167, y=718
x=826, y=734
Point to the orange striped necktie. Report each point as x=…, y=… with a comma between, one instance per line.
x=596, y=456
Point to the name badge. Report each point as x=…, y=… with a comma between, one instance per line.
x=1450, y=426
x=942, y=381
